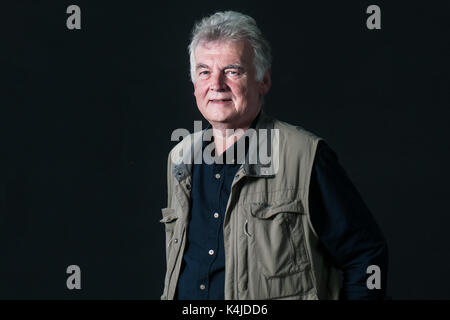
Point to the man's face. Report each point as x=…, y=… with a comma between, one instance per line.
x=225, y=87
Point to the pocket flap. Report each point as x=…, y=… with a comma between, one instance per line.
x=268, y=210
x=168, y=215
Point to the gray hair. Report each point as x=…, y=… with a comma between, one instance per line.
x=234, y=26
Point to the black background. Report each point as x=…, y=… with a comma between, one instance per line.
x=86, y=117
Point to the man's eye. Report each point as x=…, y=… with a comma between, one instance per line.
x=233, y=73
x=202, y=73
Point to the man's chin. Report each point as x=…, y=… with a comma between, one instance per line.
x=220, y=116
x=220, y=119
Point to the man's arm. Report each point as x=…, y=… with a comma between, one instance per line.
x=345, y=226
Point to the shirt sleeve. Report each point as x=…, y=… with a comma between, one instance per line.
x=346, y=227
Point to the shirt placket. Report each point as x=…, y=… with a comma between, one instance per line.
x=214, y=218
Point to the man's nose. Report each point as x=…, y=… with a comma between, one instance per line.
x=218, y=82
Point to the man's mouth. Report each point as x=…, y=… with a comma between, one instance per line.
x=220, y=100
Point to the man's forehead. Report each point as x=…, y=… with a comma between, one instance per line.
x=229, y=52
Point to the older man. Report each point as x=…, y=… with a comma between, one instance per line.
x=247, y=230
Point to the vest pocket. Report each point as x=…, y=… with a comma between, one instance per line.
x=169, y=219
x=277, y=238
x=297, y=286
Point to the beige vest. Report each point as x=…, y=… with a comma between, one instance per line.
x=271, y=248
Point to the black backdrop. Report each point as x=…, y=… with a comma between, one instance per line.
x=86, y=117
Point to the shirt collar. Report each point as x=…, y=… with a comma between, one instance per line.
x=230, y=154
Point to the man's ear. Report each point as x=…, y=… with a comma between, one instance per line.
x=265, y=83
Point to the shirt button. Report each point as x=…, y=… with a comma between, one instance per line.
x=175, y=240
x=202, y=287
x=216, y=215
x=217, y=175
x=211, y=252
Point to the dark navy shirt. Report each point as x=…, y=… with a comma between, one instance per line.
x=203, y=273
x=338, y=214
x=346, y=227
